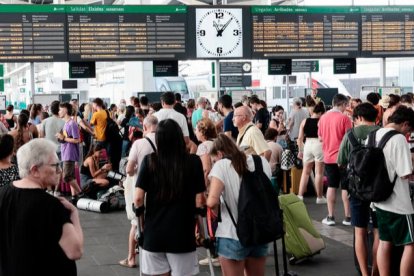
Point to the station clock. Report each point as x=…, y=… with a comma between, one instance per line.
x=219, y=32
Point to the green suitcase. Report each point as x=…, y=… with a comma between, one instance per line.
x=302, y=239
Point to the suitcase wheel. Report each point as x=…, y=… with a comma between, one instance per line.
x=292, y=260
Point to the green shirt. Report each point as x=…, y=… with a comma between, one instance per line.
x=361, y=133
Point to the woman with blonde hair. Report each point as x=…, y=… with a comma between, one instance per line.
x=225, y=178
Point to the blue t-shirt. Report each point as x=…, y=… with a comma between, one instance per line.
x=70, y=151
x=229, y=126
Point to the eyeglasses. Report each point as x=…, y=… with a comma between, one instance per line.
x=57, y=166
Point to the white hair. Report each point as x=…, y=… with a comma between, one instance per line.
x=34, y=153
x=151, y=121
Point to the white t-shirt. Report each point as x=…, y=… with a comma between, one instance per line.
x=169, y=113
x=140, y=148
x=204, y=148
x=224, y=171
x=398, y=158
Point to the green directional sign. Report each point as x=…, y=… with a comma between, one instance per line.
x=306, y=66
x=1, y=70
x=2, y=85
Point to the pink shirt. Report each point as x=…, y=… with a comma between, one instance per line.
x=331, y=129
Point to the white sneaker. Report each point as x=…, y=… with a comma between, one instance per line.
x=321, y=200
x=204, y=261
x=346, y=221
x=300, y=197
x=330, y=221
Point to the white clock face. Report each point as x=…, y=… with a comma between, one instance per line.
x=219, y=33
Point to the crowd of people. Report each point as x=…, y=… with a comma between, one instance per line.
x=179, y=157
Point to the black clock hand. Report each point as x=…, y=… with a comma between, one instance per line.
x=220, y=32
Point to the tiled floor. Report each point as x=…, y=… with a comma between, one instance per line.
x=106, y=243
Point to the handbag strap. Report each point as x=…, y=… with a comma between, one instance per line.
x=241, y=139
x=151, y=143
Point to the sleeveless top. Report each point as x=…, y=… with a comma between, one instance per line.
x=86, y=172
x=10, y=122
x=311, y=128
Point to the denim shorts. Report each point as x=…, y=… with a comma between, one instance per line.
x=234, y=250
x=361, y=213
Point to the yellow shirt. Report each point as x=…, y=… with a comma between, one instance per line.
x=253, y=139
x=99, y=121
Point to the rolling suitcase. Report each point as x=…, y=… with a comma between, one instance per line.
x=302, y=239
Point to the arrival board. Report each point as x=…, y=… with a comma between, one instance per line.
x=30, y=33
x=387, y=31
x=305, y=32
x=99, y=33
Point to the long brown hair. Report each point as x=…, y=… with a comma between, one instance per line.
x=22, y=123
x=229, y=149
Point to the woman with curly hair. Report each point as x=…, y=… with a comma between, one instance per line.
x=205, y=132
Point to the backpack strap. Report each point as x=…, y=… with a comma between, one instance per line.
x=151, y=143
x=108, y=117
x=371, y=139
x=241, y=139
x=387, y=136
x=231, y=215
x=352, y=139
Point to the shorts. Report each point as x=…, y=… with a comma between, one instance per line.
x=312, y=152
x=180, y=264
x=333, y=174
x=361, y=213
x=234, y=250
x=395, y=228
x=68, y=171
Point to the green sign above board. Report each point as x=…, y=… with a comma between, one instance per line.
x=79, y=33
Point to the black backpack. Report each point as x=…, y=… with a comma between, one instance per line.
x=112, y=132
x=367, y=173
x=259, y=220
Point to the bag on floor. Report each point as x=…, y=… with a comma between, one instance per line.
x=114, y=197
x=302, y=239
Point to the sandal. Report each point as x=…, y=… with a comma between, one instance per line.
x=125, y=263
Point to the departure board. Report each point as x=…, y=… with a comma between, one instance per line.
x=387, y=31
x=305, y=32
x=125, y=33
x=30, y=33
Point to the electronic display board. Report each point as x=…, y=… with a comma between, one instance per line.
x=387, y=31
x=105, y=33
x=305, y=32
x=30, y=33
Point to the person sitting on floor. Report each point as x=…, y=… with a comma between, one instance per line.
x=93, y=177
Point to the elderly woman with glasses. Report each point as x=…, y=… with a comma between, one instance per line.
x=38, y=229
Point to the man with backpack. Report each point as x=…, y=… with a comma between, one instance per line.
x=99, y=121
x=395, y=215
x=364, y=116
